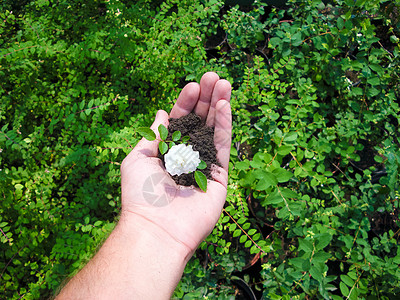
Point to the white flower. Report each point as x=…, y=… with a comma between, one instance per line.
x=181, y=159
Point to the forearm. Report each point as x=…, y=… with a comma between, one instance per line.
x=137, y=261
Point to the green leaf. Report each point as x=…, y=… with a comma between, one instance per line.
x=248, y=244
x=242, y=165
x=163, y=132
x=176, y=136
x=282, y=175
x=202, y=165
x=284, y=150
x=273, y=198
x=297, y=39
x=373, y=80
x=147, y=133
x=315, y=273
x=321, y=257
x=201, y=180
x=262, y=185
x=241, y=220
x=306, y=245
x=236, y=233
x=243, y=238
x=3, y=224
x=82, y=105
x=340, y=23
x=233, y=151
x=290, y=136
x=352, y=275
x=288, y=193
x=185, y=138
x=344, y=289
x=18, y=190
x=297, y=262
x=247, y=180
x=266, y=176
x=394, y=39
x=266, y=180
x=360, y=2
x=252, y=231
x=347, y=280
x=257, y=164
x=283, y=213
x=323, y=240
x=97, y=223
x=371, y=92
x=163, y=147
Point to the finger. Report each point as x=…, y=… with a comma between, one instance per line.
x=222, y=90
x=207, y=83
x=186, y=101
x=219, y=175
x=223, y=132
x=147, y=148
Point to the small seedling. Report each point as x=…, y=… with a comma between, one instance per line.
x=179, y=157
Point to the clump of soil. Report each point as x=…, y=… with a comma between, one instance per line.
x=201, y=139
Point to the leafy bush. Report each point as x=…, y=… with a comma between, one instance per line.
x=314, y=174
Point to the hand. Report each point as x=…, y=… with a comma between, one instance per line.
x=161, y=224
x=149, y=194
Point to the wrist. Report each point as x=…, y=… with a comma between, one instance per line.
x=153, y=260
x=134, y=226
x=137, y=261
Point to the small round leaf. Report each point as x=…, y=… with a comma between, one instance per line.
x=201, y=180
x=202, y=165
x=163, y=132
x=147, y=133
x=163, y=147
x=176, y=136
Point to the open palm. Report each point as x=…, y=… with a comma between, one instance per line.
x=187, y=214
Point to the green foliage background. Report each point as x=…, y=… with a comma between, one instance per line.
x=314, y=174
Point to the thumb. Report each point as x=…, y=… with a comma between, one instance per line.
x=147, y=148
x=161, y=118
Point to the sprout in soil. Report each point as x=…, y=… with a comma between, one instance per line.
x=179, y=157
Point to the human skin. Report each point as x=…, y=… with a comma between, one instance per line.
x=144, y=257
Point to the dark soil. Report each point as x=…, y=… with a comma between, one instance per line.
x=201, y=139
